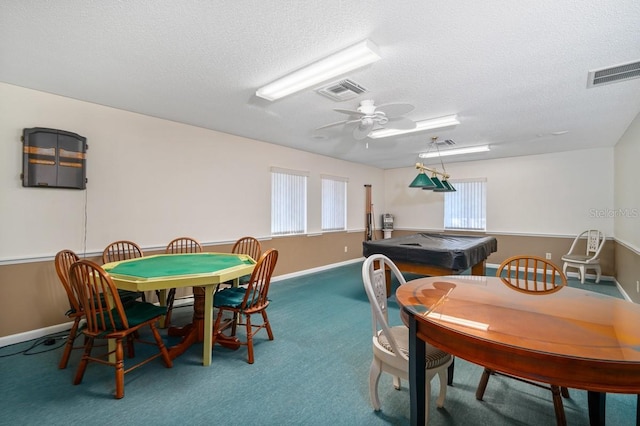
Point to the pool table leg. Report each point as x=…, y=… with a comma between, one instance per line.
x=479, y=269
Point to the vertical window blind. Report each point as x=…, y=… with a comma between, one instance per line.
x=288, y=202
x=334, y=203
x=466, y=208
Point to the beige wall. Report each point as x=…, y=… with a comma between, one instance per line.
x=626, y=210
x=151, y=180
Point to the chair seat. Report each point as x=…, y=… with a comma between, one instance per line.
x=579, y=258
x=434, y=356
x=231, y=297
x=138, y=313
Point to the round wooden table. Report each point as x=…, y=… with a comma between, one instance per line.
x=571, y=337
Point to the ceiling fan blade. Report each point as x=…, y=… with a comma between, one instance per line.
x=362, y=131
x=400, y=123
x=337, y=123
x=350, y=112
x=395, y=110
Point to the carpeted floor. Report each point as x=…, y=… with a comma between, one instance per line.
x=315, y=372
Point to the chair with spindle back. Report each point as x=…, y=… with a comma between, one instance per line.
x=179, y=245
x=245, y=302
x=249, y=246
x=63, y=261
x=123, y=250
x=536, y=276
x=108, y=318
x=391, y=343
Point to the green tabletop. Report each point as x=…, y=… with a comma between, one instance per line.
x=177, y=265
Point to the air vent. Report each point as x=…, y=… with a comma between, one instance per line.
x=342, y=90
x=614, y=74
x=446, y=142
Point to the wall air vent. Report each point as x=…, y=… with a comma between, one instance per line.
x=614, y=74
x=342, y=90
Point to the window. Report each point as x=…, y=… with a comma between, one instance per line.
x=334, y=203
x=288, y=202
x=466, y=208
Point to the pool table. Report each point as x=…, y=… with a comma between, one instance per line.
x=434, y=254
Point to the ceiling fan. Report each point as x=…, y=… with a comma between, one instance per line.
x=368, y=117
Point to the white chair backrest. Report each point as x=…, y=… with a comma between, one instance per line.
x=373, y=277
x=595, y=241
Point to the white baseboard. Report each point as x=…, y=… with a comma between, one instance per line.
x=34, y=334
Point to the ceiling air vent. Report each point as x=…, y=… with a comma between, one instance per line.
x=614, y=74
x=446, y=142
x=342, y=90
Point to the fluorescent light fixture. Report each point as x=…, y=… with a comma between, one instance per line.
x=457, y=151
x=434, y=123
x=339, y=63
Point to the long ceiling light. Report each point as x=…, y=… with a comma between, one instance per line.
x=434, y=123
x=339, y=63
x=457, y=151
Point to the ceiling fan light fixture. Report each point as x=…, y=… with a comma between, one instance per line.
x=457, y=151
x=349, y=59
x=433, y=123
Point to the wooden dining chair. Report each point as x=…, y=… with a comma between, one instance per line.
x=124, y=250
x=108, y=318
x=249, y=246
x=391, y=344
x=243, y=302
x=121, y=250
x=179, y=245
x=536, y=276
x=63, y=261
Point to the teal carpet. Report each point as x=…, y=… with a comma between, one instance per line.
x=315, y=372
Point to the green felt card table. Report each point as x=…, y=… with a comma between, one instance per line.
x=202, y=271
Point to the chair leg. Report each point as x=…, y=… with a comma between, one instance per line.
x=267, y=325
x=131, y=352
x=427, y=398
x=119, y=369
x=582, y=273
x=482, y=386
x=397, y=383
x=557, y=405
x=442, y=378
x=216, y=328
x=82, y=366
x=68, y=347
x=249, y=339
x=598, y=273
x=374, y=378
x=163, y=349
x=564, y=392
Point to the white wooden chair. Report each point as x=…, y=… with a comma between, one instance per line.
x=589, y=260
x=391, y=344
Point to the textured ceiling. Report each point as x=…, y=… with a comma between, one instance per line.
x=514, y=72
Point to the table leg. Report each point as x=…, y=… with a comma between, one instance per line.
x=597, y=402
x=208, y=324
x=479, y=268
x=162, y=300
x=417, y=374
